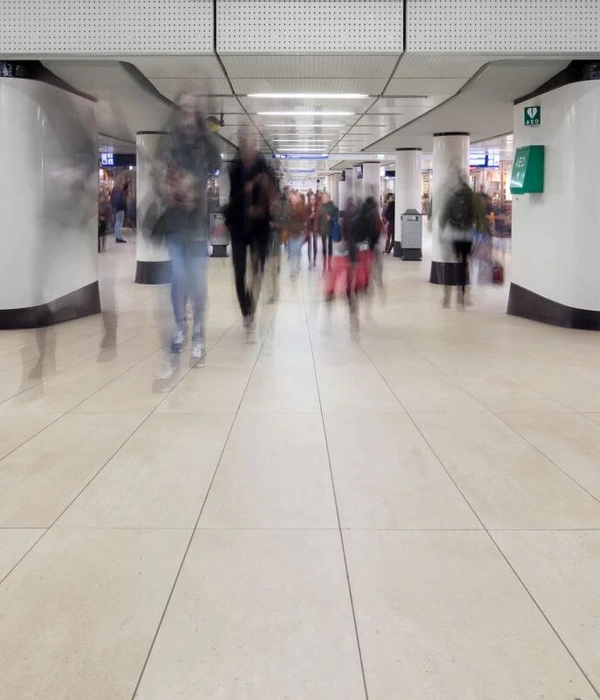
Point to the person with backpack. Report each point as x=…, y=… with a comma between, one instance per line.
x=118, y=202
x=326, y=217
x=462, y=213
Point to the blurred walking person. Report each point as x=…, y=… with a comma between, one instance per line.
x=248, y=217
x=363, y=237
x=311, y=229
x=295, y=232
x=187, y=159
x=326, y=216
x=389, y=214
x=274, y=252
x=119, y=204
x=461, y=214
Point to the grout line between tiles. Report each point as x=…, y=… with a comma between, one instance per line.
x=490, y=536
x=103, y=466
x=337, y=511
x=195, y=528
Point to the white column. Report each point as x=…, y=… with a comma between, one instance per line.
x=450, y=164
x=335, y=179
x=342, y=194
x=49, y=205
x=555, y=241
x=224, y=184
x=407, y=185
x=371, y=181
x=350, y=183
x=153, y=264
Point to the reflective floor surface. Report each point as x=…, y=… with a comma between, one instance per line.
x=409, y=512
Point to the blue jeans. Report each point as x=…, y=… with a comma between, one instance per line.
x=119, y=219
x=189, y=259
x=295, y=253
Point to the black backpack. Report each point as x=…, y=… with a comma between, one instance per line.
x=461, y=212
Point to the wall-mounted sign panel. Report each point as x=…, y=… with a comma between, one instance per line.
x=528, y=170
x=533, y=116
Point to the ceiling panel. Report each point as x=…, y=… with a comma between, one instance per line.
x=173, y=87
x=392, y=105
x=424, y=86
x=288, y=66
x=355, y=106
x=368, y=86
x=445, y=65
x=178, y=66
x=330, y=26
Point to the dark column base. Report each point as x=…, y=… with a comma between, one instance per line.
x=158, y=272
x=527, y=304
x=397, y=249
x=409, y=254
x=448, y=273
x=82, y=302
x=219, y=251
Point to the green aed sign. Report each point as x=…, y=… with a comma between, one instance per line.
x=533, y=116
x=528, y=170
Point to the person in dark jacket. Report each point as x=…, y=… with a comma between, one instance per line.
x=248, y=217
x=118, y=202
x=188, y=158
x=326, y=216
x=389, y=215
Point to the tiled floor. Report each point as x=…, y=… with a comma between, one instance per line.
x=407, y=513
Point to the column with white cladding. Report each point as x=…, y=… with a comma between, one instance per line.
x=335, y=179
x=48, y=200
x=407, y=188
x=371, y=181
x=153, y=265
x=342, y=196
x=555, y=241
x=450, y=166
x=349, y=184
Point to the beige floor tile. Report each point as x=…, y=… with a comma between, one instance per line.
x=441, y=616
x=274, y=474
x=499, y=392
x=428, y=390
x=41, y=478
x=508, y=482
x=570, y=440
x=79, y=613
x=258, y=615
x=14, y=544
x=561, y=570
x=17, y=429
x=355, y=388
x=159, y=478
x=387, y=477
x=277, y=389
x=210, y=389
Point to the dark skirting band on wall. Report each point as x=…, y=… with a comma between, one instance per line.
x=526, y=304
x=447, y=273
x=82, y=302
x=153, y=272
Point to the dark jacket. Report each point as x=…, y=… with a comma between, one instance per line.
x=325, y=217
x=390, y=214
x=249, y=214
x=364, y=228
x=193, y=163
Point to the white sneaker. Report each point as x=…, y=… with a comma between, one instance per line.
x=168, y=370
x=199, y=354
x=178, y=341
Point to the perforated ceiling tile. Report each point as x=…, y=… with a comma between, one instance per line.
x=309, y=66
x=178, y=66
x=419, y=65
x=368, y=86
x=424, y=86
x=170, y=87
x=297, y=26
x=503, y=26
x=105, y=27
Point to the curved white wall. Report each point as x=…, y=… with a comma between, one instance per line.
x=48, y=193
x=556, y=234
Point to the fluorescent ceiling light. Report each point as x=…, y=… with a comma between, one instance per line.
x=306, y=114
x=309, y=95
x=301, y=150
x=301, y=140
x=304, y=126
